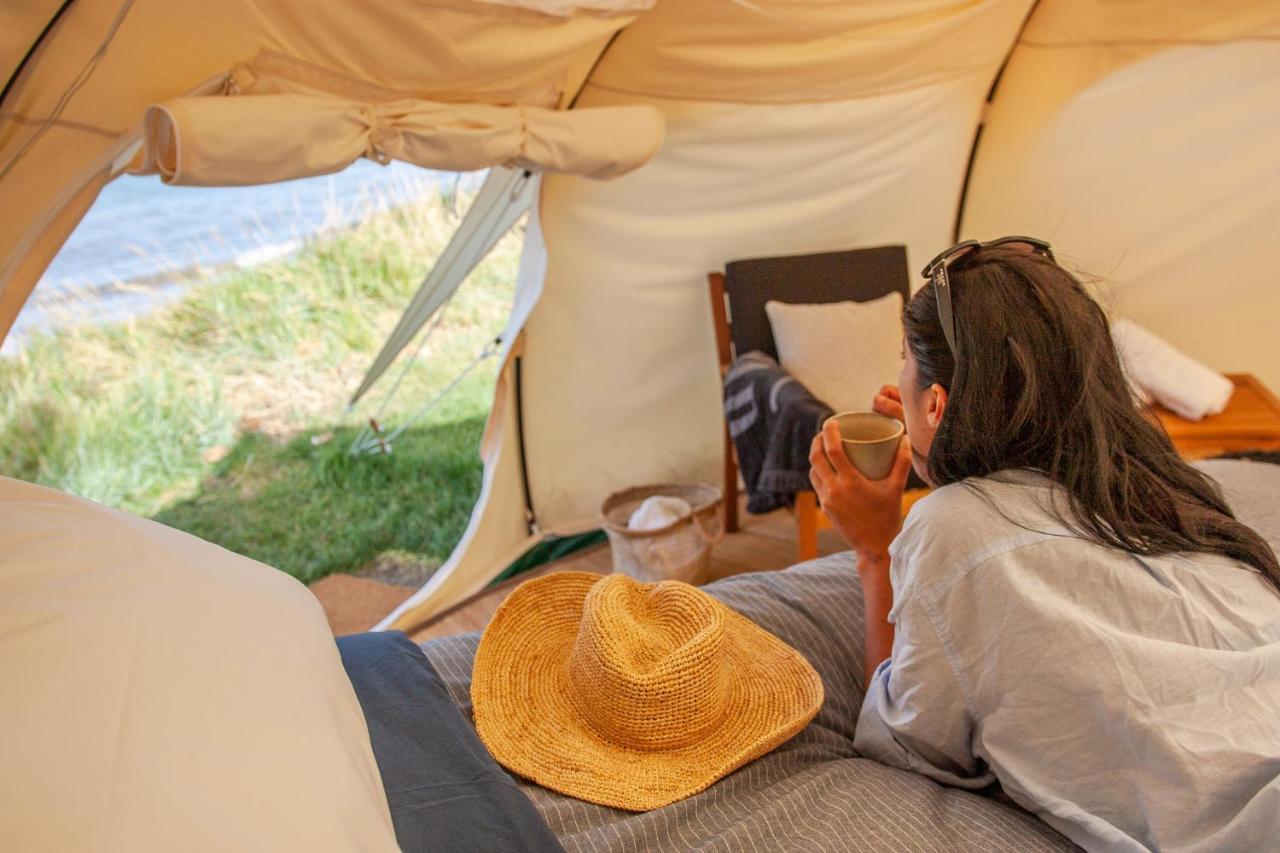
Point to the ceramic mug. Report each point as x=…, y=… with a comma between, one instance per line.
x=870, y=441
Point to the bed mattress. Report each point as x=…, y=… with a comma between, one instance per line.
x=814, y=793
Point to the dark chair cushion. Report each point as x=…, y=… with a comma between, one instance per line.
x=858, y=275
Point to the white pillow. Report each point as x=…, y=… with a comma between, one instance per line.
x=159, y=694
x=841, y=351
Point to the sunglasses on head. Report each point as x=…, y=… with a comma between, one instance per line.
x=936, y=271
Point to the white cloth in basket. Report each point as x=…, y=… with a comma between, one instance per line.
x=659, y=511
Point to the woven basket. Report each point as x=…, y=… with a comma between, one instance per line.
x=681, y=550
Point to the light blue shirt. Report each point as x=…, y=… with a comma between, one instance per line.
x=1131, y=702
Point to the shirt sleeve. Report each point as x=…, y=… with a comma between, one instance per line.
x=915, y=716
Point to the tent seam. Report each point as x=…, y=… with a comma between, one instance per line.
x=1050, y=45
x=60, y=122
x=780, y=102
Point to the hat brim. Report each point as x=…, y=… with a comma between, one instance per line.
x=526, y=716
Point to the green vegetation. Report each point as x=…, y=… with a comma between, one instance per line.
x=222, y=414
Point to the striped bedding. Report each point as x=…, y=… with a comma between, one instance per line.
x=814, y=793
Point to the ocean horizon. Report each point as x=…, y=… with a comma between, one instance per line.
x=139, y=243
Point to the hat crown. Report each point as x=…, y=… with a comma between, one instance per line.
x=647, y=665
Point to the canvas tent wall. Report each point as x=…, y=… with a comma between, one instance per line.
x=1144, y=139
x=1138, y=136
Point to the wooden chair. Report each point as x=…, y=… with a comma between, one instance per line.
x=738, y=296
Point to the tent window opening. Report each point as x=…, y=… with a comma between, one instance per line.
x=182, y=331
x=142, y=244
x=500, y=203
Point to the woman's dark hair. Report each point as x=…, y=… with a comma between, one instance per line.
x=1038, y=384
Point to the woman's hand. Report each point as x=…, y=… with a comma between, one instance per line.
x=868, y=513
x=888, y=402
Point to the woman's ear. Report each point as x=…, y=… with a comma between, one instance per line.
x=936, y=406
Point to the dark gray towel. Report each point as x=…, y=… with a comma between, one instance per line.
x=1270, y=456
x=772, y=421
x=445, y=791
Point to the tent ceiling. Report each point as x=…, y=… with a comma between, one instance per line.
x=1106, y=23
x=790, y=51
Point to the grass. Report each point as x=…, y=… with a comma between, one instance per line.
x=222, y=414
x=319, y=510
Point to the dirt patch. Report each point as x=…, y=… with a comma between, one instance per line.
x=399, y=568
x=281, y=402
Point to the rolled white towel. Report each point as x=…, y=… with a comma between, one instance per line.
x=657, y=512
x=1172, y=378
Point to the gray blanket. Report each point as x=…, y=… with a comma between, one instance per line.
x=772, y=419
x=814, y=793
x=445, y=792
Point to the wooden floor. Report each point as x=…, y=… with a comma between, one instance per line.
x=765, y=542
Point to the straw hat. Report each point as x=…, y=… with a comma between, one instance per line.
x=632, y=695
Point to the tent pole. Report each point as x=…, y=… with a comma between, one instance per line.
x=968, y=173
x=530, y=518
x=573, y=102
x=977, y=134
x=35, y=45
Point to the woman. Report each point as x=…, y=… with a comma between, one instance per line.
x=1074, y=611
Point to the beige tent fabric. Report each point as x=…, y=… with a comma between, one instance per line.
x=148, y=674
x=23, y=21
x=786, y=51
x=1151, y=164
x=577, y=7
x=1103, y=23
x=270, y=72
x=257, y=139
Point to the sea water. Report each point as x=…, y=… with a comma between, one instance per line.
x=136, y=244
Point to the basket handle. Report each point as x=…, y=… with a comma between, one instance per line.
x=715, y=537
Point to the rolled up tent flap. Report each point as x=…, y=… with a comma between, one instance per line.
x=258, y=139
